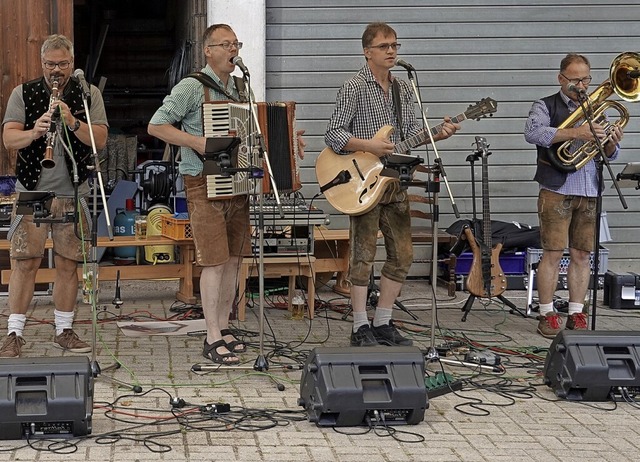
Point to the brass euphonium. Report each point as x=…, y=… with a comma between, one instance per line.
x=47, y=161
x=619, y=82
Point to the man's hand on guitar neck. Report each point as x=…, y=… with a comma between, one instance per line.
x=448, y=129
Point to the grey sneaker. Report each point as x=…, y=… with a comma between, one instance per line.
x=549, y=325
x=68, y=341
x=12, y=346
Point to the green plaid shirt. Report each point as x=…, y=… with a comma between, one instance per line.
x=184, y=106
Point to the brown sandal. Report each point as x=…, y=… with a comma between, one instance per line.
x=234, y=346
x=211, y=353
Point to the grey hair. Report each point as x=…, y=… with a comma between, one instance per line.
x=56, y=42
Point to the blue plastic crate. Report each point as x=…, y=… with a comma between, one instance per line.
x=511, y=263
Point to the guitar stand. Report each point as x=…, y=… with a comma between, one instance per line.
x=472, y=158
x=469, y=303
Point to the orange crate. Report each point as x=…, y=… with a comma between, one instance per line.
x=176, y=228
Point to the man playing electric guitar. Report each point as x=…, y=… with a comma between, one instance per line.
x=364, y=104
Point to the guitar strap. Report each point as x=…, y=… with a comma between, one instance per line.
x=395, y=89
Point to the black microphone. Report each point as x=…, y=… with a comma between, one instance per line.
x=406, y=65
x=79, y=74
x=633, y=74
x=237, y=61
x=575, y=89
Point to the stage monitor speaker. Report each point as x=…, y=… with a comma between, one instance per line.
x=45, y=397
x=354, y=386
x=590, y=365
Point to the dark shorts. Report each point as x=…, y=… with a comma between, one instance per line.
x=28, y=239
x=566, y=221
x=392, y=217
x=220, y=227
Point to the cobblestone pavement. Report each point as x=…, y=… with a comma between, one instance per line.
x=509, y=415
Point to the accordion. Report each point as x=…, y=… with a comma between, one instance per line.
x=276, y=125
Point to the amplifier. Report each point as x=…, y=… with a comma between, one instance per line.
x=621, y=290
x=45, y=397
x=364, y=386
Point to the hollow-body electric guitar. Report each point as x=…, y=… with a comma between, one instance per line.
x=486, y=278
x=354, y=183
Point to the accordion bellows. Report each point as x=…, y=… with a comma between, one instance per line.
x=275, y=134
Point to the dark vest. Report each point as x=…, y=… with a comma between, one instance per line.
x=36, y=97
x=546, y=174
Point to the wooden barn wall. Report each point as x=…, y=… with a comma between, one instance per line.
x=508, y=50
x=24, y=26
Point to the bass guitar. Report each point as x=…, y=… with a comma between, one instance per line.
x=353, y=183
x=486, y=278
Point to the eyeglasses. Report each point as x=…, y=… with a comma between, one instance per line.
x=385, y=46
x=62, y=65
x=585, y=80
x=227, y=45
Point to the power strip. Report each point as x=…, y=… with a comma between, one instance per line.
x=441, y=383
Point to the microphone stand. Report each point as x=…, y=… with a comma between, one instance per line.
x=603, y=160
x=433, y=186
x=261, y=363
x=90, y=278
x=435, y=150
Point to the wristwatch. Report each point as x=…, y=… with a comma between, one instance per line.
x=75, y=126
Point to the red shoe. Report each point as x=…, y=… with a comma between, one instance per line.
x=577, y=321
x=549, y=325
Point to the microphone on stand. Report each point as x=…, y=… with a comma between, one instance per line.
x=237, y=61
x=406, y=65
x=574, y=88
x=79, y=74
x=117, y=301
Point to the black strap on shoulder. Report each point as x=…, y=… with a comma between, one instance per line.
x=204, y=79
x=242, y=88
x=395, y=88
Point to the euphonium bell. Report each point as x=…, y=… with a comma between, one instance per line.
x=619, y=82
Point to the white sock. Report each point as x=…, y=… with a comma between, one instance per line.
x=64, y=320
x=382, y=316
x=359, y=319
x=16, y=323
x=575, y=307
x=545, y=308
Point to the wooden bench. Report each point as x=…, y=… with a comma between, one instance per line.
x=331, y=255
x=182, y=270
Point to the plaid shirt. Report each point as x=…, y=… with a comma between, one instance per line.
x=362, y=108
x=184, y=105
x=583, y=182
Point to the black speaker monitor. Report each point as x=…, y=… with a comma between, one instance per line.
x=364, y=385
x=589, y=365
x=45, y=397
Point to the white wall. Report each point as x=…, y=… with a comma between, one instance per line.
x=248, y=20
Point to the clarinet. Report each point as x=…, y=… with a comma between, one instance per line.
x=47, y=161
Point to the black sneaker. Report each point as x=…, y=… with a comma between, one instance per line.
x=387, y=334
x=363, y=337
